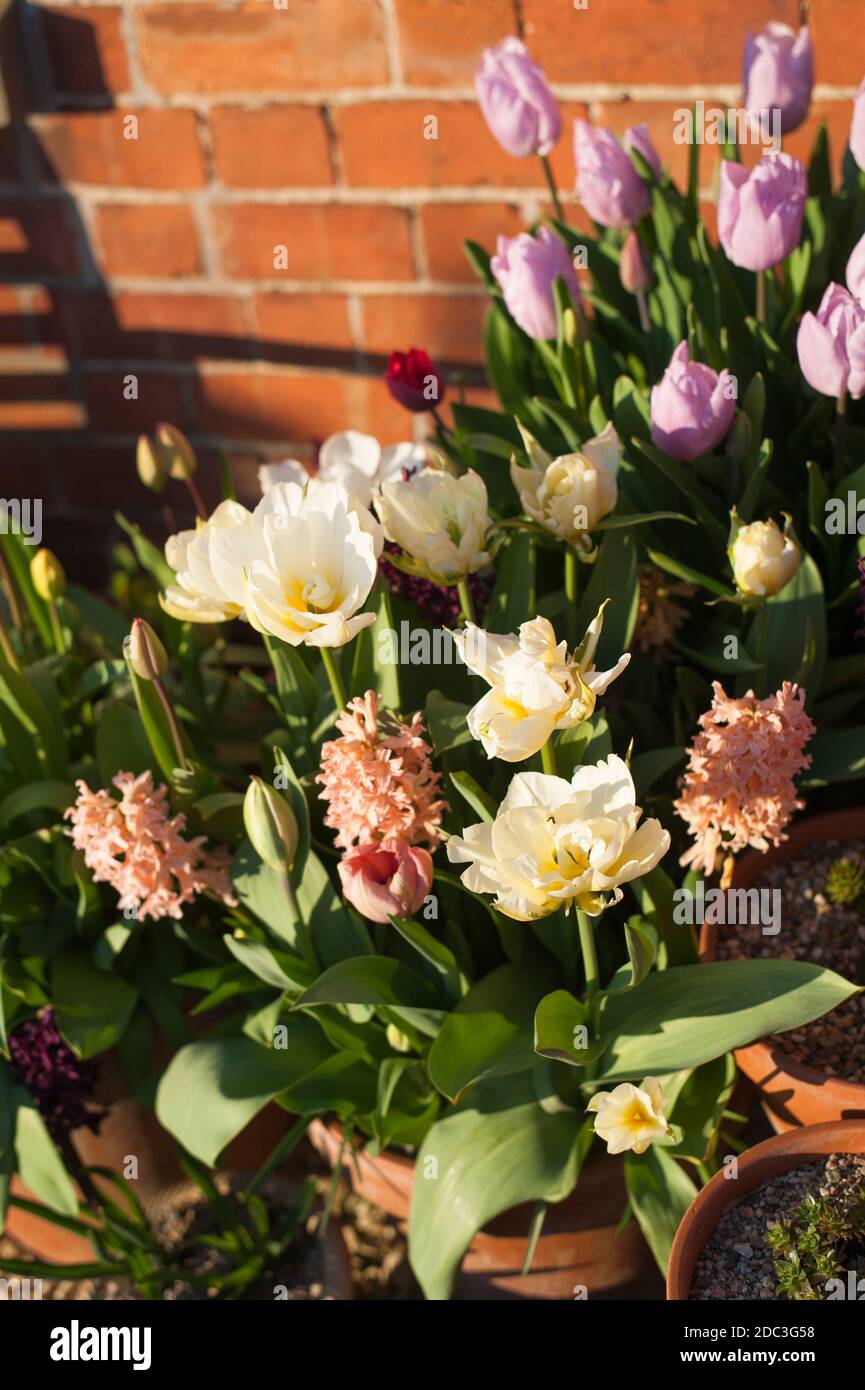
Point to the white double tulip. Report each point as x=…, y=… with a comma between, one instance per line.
x=764, y=558
x=440, y=521
x=561, y=844
x=536, y=687
x=356, y=461
x=630, y=1117
x=569, y=495
x=299, y=567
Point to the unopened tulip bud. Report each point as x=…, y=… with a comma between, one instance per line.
x=764, y=558
x=397, y=1040
x=48, y=575
x=144, y=652
x=270, y=824
x=150, y=464
x=177, y=452
x=634, y=270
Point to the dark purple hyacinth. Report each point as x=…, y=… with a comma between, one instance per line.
x=58, y=1081
x=860, y=611
x=439, y=605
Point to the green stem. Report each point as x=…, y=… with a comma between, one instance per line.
x=761, y=297
x=548, y=758
x=571, y=595
x=334, y=677
x=294, y=905
x=590, y=956
x=466, y=605
x=282, y=1150
x=551, y=184
x=173, y=726
x=761, y=629
x=56, y=629
x=841, y=437
x=7, y=648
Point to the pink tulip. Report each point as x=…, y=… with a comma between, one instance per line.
x=637, y=138
x=857, y=127
x=608, y=185
x=779, y=73
x=692, y=407
x=516, y=100
x=831, y=345
x=634, y=271
x=527, y=267
x=386, y=879
x=855, y=272
x=760, y=210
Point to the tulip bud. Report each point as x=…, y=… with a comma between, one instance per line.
x=177, y=452
x=526, y=267
x=144, y=651
x=634, y=271
x=764, y=558
x=270, y=824
x=397, y=1040
x=48, y=575
x=150, y=464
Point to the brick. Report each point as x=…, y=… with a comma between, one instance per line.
x=448, y=327
x=294, y=407
x=86, y=51
x=662, y=121
x=144, y=325
x=646, y=41
x=836, y=29
x=441, y=44
x=446, y=226
x=279, y=147
x=104, y=393
x=17, y=329
x=255, y=47
x=837, y=116
x=323, y=243
x=91, y=147
x=159, y=239
x=305, y=320
x=37, y=235
x=38, y=401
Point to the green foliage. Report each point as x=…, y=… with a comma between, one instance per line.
x=815, y=1244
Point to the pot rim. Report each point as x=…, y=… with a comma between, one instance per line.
x=762, y=1056
x=757, y=1165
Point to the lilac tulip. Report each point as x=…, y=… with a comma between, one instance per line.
x=779, y=73
x=857, y=128
x=831, y=345
x=526, y=267
x=760, y=210
x=692, y=407
x=855, y=272
x=637, y=138
x=516, y=100
x=608, y=185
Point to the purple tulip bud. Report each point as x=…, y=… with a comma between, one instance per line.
x=831, y=345
x=760, y=210
x=779, y=73
x=692, y=407
x=634, y=271
x=637, y=138
x=516, y=100
x=855, y=272
x=608, y=185
x=526, y=267
x=857, y=128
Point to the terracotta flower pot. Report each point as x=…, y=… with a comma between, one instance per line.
x=774, y=1156
x=578, y=1245
x=792, y=1092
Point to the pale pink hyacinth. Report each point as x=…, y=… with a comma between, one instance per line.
x=378, y=778
x=738, y=789
x=136, y=847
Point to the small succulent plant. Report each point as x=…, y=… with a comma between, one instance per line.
x=811, y=1246
x=845, y=883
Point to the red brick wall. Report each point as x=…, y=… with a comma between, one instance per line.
x=296, y=123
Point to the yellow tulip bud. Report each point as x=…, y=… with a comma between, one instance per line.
x=397, y=1039
x=270, y=824
x=150, y=464
x=177, y=452
x=48, y=575
x=144, y=651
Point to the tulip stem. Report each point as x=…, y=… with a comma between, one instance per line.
x=761, y=297
x=173, y=726
x=590, y=956
x=11, y=593
x=56, y=629
x=197, y=499
x=841, y=437
x=548, y=758
x=335, y=679
x=6, y=647
x=570, y=595
x=466, y=605
x=642, y=308
x=551, y=184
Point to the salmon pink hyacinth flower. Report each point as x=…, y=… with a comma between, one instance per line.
x=136, y=847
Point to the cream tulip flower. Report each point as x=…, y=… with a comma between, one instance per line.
x=198, y=596
x=536, y=687
x=764, y=558
x=307, y=560
x=630, y=1117
x=440, y=521
x=356, y=461
x=569, y=495
x=557, y=844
